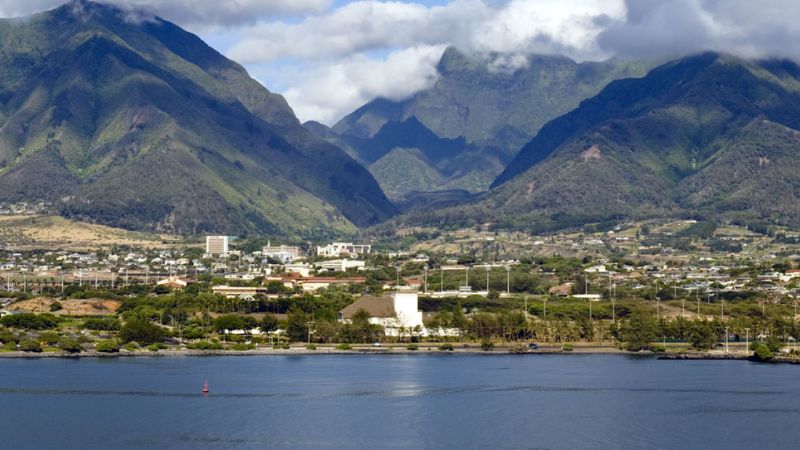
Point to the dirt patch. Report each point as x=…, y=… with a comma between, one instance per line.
x=592, y=152
x=71, y=307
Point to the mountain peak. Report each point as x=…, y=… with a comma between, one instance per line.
x=142, y=125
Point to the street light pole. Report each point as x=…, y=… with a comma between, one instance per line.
x=747, y=339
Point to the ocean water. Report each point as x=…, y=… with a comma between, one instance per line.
x=398, y=402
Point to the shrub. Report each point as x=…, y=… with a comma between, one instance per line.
x=412, y=347
x=281, y=346
x=658, y=348
x=311, y=347
x=10, y=345
x=69, y=344
x=7, y=336
x=344, y=347
x=446, y=347
x=518, y=349
x=30, y=345
x=204, y=345
x=567, y=347
x=107, y=346
x=773, y=344
x=487, y=345
x=55, y=306
x=240, y=347
x=761, y=351
x=132, y=346
x=156, y=347
x=49, y=337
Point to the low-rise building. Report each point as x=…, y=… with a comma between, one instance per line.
x=338, y=249
x=341, y=265
x=400, y=310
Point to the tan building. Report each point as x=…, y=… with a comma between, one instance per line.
x=217, y=245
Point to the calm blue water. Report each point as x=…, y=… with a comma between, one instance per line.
x=387, y=402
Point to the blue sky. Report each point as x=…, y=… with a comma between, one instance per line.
x=328, y=57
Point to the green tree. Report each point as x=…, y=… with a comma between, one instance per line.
x=30, y=321
x=639, y=331
x=296, y=324
x=702, y=336
x=49, y=337
x=268, y=323
x=228, y=322
x=102, y=324
x=69, y=344
x=142, y=331
x=30, y=345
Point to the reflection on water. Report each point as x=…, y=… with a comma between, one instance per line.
x=419, y=401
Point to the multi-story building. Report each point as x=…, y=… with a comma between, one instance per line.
x=282, y=253
x=217, y=245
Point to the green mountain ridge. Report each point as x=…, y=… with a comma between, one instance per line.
x=710, y=135
x=140, y=124
x=480, y=113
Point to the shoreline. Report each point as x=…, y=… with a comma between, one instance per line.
x=397, y=351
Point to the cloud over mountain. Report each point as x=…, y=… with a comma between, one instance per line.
x=329, y=57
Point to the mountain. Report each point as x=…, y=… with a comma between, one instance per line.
x=708, y=135
x=482, y=110
x=128, y=120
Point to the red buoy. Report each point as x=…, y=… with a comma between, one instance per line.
x=205, y=388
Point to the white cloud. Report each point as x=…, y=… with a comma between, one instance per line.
x=325, y=92
x=516, y=26
x=340, y=75
x=743, y=27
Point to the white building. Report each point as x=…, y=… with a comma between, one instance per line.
x=338, y=249
x=392, y=313
x=341, y=265
x=217, y=245
x=282, y=253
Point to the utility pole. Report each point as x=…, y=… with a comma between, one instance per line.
x=441, y=286
x=614, y=303
x=726, y=339
x=487, y=280
x=747, y=339
x=697, y=294
x=508, y=280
